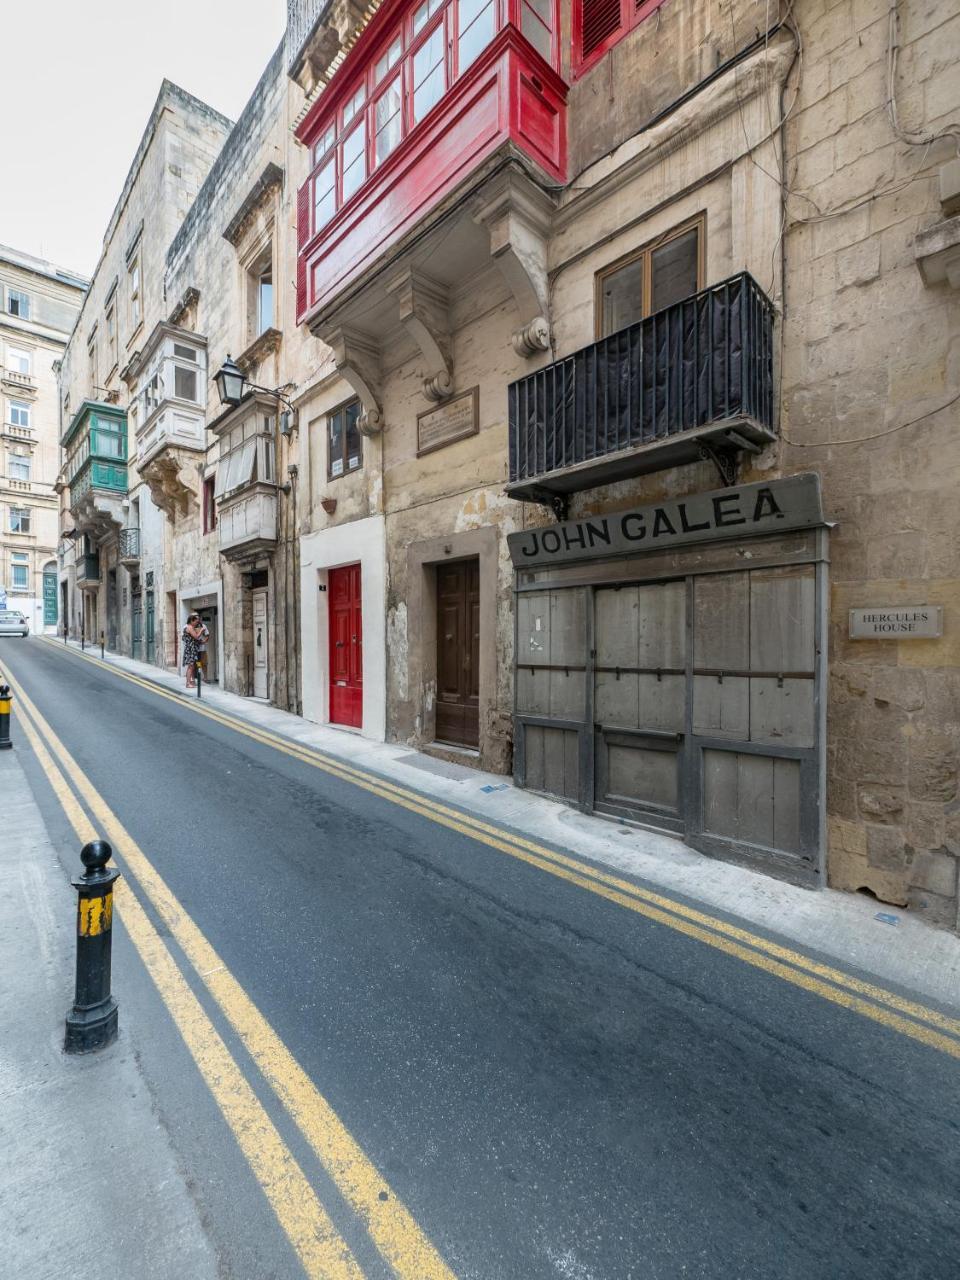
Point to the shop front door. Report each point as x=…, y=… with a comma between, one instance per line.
x=261, y=656
x=458, y=653
x=346, y=646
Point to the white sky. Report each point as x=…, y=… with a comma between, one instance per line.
x=79, y=80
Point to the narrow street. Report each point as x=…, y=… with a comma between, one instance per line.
x=551, y=1084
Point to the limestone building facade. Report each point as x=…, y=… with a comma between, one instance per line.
x=38, y=307
x=112, y=532
x=576, y=267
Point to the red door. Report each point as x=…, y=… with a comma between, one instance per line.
x=346, y=646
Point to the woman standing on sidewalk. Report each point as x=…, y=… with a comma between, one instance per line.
x=191, y=641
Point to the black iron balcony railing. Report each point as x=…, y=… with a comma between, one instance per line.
x=88, y=567
x=129, y=544
x=696, y=372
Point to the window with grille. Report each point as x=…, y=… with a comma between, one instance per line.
x=344, y=441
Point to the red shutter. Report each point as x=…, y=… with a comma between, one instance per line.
x=303, y=214
x=600, y=19
x=301, y=285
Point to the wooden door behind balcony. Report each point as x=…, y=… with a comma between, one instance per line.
x=458, y=653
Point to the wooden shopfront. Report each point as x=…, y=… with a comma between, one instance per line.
x=670, y=663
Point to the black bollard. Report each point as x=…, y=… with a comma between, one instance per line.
x=92, y=1022
x=5, y=700
x=83, y=640
x=199, y=675
x=101, y=646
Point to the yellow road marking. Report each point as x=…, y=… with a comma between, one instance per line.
x=519, y=847
x=391, y=1226
x=318, y=1245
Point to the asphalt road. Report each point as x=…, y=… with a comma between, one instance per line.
x=554, y=1086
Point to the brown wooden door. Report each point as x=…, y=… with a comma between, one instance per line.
x=458, y=653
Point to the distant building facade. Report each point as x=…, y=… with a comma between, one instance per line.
x=39, y=303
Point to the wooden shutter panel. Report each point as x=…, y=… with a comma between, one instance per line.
x=301, y=285
x=600, y=19
x=303, y=215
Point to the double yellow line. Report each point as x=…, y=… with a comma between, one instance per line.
x=320, y=1247
x=907, y=1017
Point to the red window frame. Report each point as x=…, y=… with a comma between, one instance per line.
x=446, y=17
x=632, y=13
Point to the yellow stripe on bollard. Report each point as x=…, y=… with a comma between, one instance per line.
x=96, y=916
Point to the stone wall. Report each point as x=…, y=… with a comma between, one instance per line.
x=868, y=350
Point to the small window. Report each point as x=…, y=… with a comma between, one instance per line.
x=387, y=121
x=344, y=441
x=429, y=74
x=325, y=194
x=424, y=14
x=19, y=576
x=185, y=383
x=388, y=60
x=657, y=276
x=209, y=504
x=263, y=296
x=265, y=468
x=111, y=323
x=184, y=353
x=18, y=304
x=355, y=104
x=133, y=277
x=477, y=20
x=354, y=160
x=19, y=468
x=19, y=412
x=324, y=143
x=19, y=360
x=19, y=519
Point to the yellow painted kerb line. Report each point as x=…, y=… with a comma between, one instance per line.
x=316, y=1242
x=391, y=1226
x=743, y=944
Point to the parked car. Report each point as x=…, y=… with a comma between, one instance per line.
x=13, y=623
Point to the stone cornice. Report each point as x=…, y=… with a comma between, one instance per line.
x=272, y=176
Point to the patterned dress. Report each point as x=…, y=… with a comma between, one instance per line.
x=190, y=651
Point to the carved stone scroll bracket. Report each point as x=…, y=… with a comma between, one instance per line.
x=357, y=358
x=517, y=216
x=423, y=307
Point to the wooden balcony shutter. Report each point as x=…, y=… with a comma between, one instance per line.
x=301, y=285
x=601, y=18
x=303, y=215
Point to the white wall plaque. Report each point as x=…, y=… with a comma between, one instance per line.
x=897, y=622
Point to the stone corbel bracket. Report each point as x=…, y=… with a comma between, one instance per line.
x=357, y=358
x=424, y=314
x=517, y=215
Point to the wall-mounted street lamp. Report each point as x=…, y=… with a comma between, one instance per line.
x=232, y=386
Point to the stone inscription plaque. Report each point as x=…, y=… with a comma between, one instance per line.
x=454, y=420
x=897, y=622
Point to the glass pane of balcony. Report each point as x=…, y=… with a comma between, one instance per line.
x=429, y=80
x=388, y=122
x=324, y=195
x=354, y=160
x=535, y=31
x=477, y=23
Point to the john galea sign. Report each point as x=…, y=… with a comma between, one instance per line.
x=741, y=512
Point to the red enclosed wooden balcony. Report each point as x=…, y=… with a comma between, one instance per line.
x=431, y=92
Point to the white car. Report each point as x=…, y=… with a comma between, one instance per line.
x=13, y=623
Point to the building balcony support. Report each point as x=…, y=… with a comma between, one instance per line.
x=516, y=213
x=424, y=314
x=357, y=357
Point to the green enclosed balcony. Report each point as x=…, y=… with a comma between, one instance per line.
x=95, y=444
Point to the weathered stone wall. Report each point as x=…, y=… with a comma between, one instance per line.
x=868, y=349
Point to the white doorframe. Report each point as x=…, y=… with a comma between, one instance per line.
x=261, y=640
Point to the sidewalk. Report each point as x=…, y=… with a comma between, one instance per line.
x=89, y=1184
x=842, y=927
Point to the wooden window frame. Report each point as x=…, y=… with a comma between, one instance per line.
x=645, y=252
x=353, y=470
x=632, y=14
x=209, y=504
